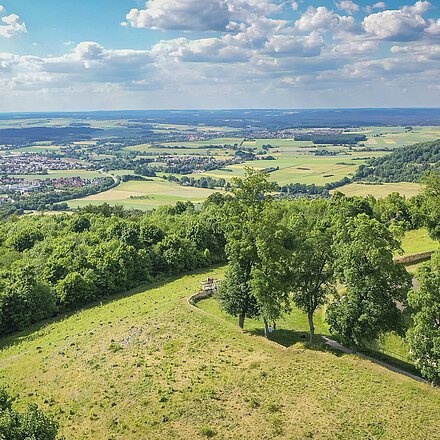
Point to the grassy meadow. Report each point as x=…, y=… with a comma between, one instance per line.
x=293, y=328
x=144, y=195
x=296, y=168
x=418, y=241
x=407, y=189
x=393, y=137
x=151, y=366
x=57, y=174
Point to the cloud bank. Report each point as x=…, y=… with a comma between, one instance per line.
x=245, y=52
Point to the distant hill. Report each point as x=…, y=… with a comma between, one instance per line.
x=259, y=118
x=406, y=164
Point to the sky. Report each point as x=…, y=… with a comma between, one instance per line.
x=59, y=55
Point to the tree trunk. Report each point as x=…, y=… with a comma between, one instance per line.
x=266, y=328
x=311, y=326
x=241, y=320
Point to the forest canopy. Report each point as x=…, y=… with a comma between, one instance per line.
x=405, y=164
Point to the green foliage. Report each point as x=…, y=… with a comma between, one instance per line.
x=80, y=224
x=59, y=263
x=24, y=239
x=74, y=290
x=241, y=217
x=424, y=336
x=394, y=210
x=144, y=170
x=235, y=295
x=313, y=278
x=373, y=283
x=405, y=164
x=253, y=190
x=431, y=204
x=271, y=274
x=30, y=425
x=23, y=299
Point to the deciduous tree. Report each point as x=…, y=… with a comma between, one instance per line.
x=367, y=307
x=424, y=336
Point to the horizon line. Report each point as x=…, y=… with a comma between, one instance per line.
x=216, y=109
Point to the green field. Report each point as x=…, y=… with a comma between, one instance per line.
x=85, y=174
x=379, y=191
x=393, y=137
x=418, y=241
x=159, y=192
x=39, y=149
x=296, y=159
x=296, y=168
x=196, y=145
x=298, y=164
x=293, y=327
x=150, y=366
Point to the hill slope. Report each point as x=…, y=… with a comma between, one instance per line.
x=151, y=366
x=405, y=164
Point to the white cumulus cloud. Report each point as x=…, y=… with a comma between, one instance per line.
x=291, y=45
x=199, y=15
x=348, y=6
x=379, y=5
x=12, y=25
x=323, y=19
x=402, y=24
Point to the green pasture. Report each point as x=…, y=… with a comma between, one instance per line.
x=297, y=168
x=392, y=137
x=407, y=189
x=57, y=174
x=159, y=192
x=196, y=146
x=148, y=365
x=294, y=328
x=418, y=241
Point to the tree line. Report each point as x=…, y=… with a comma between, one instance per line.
x=50, y=264
x=334, y=139
x=279, y=252
x=336, y=252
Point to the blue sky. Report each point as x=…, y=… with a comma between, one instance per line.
x=119, y=54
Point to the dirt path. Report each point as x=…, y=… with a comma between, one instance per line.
x=337, y=346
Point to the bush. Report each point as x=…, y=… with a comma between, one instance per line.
x=32, y=424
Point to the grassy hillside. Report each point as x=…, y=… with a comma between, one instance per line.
x=151, y=366
x=380, y=191
x=418, y=241
x=406, y=164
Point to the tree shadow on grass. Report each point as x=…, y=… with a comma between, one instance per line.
x=32, y=332
x=392, y=360
x=287, y=338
